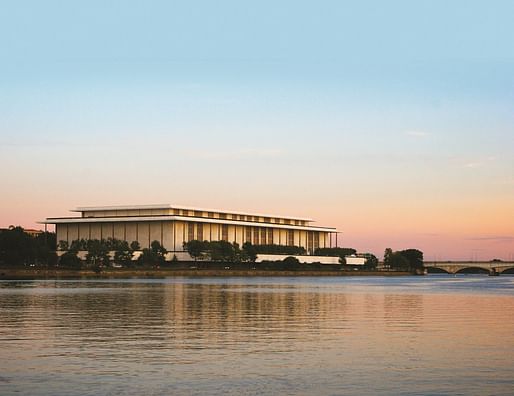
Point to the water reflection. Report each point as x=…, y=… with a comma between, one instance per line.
x=321, y=336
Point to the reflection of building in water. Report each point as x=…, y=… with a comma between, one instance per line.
x=173, y=225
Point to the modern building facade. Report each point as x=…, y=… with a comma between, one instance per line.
x=172, y=225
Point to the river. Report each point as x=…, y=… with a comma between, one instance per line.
x=431, y=335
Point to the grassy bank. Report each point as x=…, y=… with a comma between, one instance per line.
x=28, y=274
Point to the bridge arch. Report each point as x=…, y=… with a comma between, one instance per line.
x=506, y=270
x=437, y=270
x=473, y=270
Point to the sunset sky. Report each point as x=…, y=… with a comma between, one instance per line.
x=392, y=121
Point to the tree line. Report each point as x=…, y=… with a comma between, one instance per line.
x=404, y=260
x=98, y=253
x=18, y=248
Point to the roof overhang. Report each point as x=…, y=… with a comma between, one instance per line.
x=85, y=220
x=169, y=206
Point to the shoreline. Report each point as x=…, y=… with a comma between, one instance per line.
x=36, y=274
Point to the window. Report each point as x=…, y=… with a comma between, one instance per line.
x=210, y=215
x=248, y=237
x=199, y=231
x=263, y=236
x=267, y=220
x=316, y=240
x=309, y=241
x=224, y=232
x=190, y=231
x=255, y=236
x=290, y=237
x=270, y=236
x=198, y=213
x=223, y=216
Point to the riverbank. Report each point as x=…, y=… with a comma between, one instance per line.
x=30, y=274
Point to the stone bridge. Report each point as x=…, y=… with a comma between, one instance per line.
x=454, y=267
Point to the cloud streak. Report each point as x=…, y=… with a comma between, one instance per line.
x=417, y=134
x=236, y=154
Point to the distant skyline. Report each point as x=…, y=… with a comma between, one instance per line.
x=392, y=121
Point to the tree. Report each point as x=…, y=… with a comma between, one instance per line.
x=341, y=252
x=414, y=258
x=70, y=259
x=195, y=248
x=398, y=262
x=154, y=256
x=222, y=251
x=371, y=261
x=123, y=254
x=249, y=253
x=97, y=252
x=135, y=246
x=291, y=263
x=18, y=248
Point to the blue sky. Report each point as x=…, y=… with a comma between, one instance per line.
x=390, y=120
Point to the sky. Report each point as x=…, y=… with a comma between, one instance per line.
x=392, y=121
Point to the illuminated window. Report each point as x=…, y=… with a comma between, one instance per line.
x=190, y=231
x=199, y=231
x=263, y=236
x=224, y=232
x=290, y=237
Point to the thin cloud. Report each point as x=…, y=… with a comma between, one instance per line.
x=498, y=238
x=236, y=154
x=417, y=134
x=480, y=162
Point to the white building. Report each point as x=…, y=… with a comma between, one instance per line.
x=172, y=225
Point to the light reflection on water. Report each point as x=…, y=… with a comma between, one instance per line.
x=358, y=335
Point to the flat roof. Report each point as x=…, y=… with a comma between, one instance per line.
x=76, y=220
x=169, y=206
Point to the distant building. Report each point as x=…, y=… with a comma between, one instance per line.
x=355, y=260
x=32, y=232
x=172, y=225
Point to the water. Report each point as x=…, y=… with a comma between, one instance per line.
x=430, y=335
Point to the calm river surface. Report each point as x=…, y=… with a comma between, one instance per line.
x=429, y=335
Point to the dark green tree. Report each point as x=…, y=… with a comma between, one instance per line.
x=154, y=256
x=414, y=258
x=123, y=254
x=97, y=253
x=291, y=263
x=196, y=249
x=249, y=253
x=135, y=246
